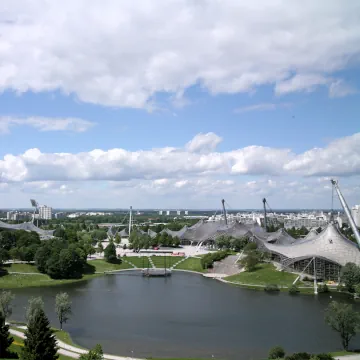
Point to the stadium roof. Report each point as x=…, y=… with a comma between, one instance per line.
x=330, y=244
x=27, y=226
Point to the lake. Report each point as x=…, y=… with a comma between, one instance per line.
x=187, y=315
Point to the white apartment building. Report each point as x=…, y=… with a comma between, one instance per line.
x=355, y=212
x=160, y=212
x=178, y=212
x=168, y=212
x=45, y=212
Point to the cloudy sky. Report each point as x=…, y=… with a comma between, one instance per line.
x=179, y=103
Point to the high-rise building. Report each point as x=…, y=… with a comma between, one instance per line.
x=167, y=212
x=45, y=212
x=160, y=212
x=355, y=212
x=186, y=212
x=178, y=212
x=60, y=215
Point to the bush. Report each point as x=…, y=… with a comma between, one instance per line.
x=325, y=356
x=271, y=288
x=250, y=247
x=299, y=356
x=293, y=289
x=208, y=260
x=277, y=352
x=323, y=288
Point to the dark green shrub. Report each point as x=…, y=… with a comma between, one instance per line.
x=293, y=289
x=299, y=356
x=250, y=247
x=323, y=288
x=276, y=352
x=208, y=260
x=325, y=356
x=271, y=288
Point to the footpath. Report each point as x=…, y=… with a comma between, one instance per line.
x=72, y=351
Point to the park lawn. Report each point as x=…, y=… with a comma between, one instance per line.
x=191, y=263
x=22, y=268
x=159, y=261
x=263, y=275
x=13, y=281
x=139, y=261
x=102, y=265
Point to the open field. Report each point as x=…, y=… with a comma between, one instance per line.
x=102, y=265
x=159, y=261
x=139, y=261
x=192, y=264
x=263, y=275
x=23, y=268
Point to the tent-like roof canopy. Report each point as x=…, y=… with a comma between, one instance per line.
x=27, y=226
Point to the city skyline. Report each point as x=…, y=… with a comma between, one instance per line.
x=131, y=111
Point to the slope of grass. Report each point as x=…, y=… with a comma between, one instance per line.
x=23, y=268
x=102, y=265
x=263, y=275
x=159, y=261
x=192, y=264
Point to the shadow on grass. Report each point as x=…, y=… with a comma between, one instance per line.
x=89, y=269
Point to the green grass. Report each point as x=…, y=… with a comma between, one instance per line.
x=170, y=261
x=139, y=262
x=192, y=264
x=65, y=337
x=13, y=281
x=263, y=275
x=343, y=353
x=24, y=268
x=102, y=265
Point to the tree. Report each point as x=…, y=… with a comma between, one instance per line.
x=5, y=338
x=95, y=354
x=343, y=319
x=250, y=261
x=250, y=247
x=35, y=304
x=62, y=308
x=40, y=342
x=6, y=297
x=4, y=256
x=117, y=239
x=100, y=247
x=276, y=352
x=110, y=253
x=350, y=276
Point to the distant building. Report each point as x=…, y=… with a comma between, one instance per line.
x=186, y=212
x=168, y=212
x=178, y=212
x=355, y=212
x=60, y=215
x=160, y=212
x=45, y=212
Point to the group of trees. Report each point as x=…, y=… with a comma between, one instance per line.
x=139, y=241
x=18, y=245
x=350, y=277
x=227, y=242
x=40, y=341
x=60, y=259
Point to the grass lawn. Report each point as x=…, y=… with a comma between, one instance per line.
x=263, y=275
x=170, y=261
x=12, y=281
x=24, y=268
x=139, y=261
x=65, y=337
x=102, y=265
x=343, y=353
x=192, y=264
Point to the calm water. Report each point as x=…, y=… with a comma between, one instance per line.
x=188, y=315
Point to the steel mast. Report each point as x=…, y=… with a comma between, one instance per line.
x=223, y=205
x=347, y=211
x=265, y=219
x=130, y=221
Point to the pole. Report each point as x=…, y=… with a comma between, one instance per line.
x=223, y=205
x=130, y=221
x=347, y=211
x=315, y=281
x=265, y=219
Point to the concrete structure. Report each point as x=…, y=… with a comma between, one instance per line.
x=168, y=212
x=60, y=215
x=355, y=212
x=45, y=212
x=28, y=226
x=178, y=212
x=186, y=212
x=160, y=212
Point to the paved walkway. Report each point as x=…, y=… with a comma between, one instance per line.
x=72, y=351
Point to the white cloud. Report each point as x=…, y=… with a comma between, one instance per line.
x=301, y=82
x=45, y=124
x=203, y=143
x=197, y=159
x=341, y=157
x=136, y=49
x=262, y=107
x=340, y=88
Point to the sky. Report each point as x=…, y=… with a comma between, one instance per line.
x=179, y=103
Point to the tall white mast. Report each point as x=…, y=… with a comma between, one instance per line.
x=130, y=221
x=347, y=211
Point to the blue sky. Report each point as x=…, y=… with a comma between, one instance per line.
x=183, y=113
